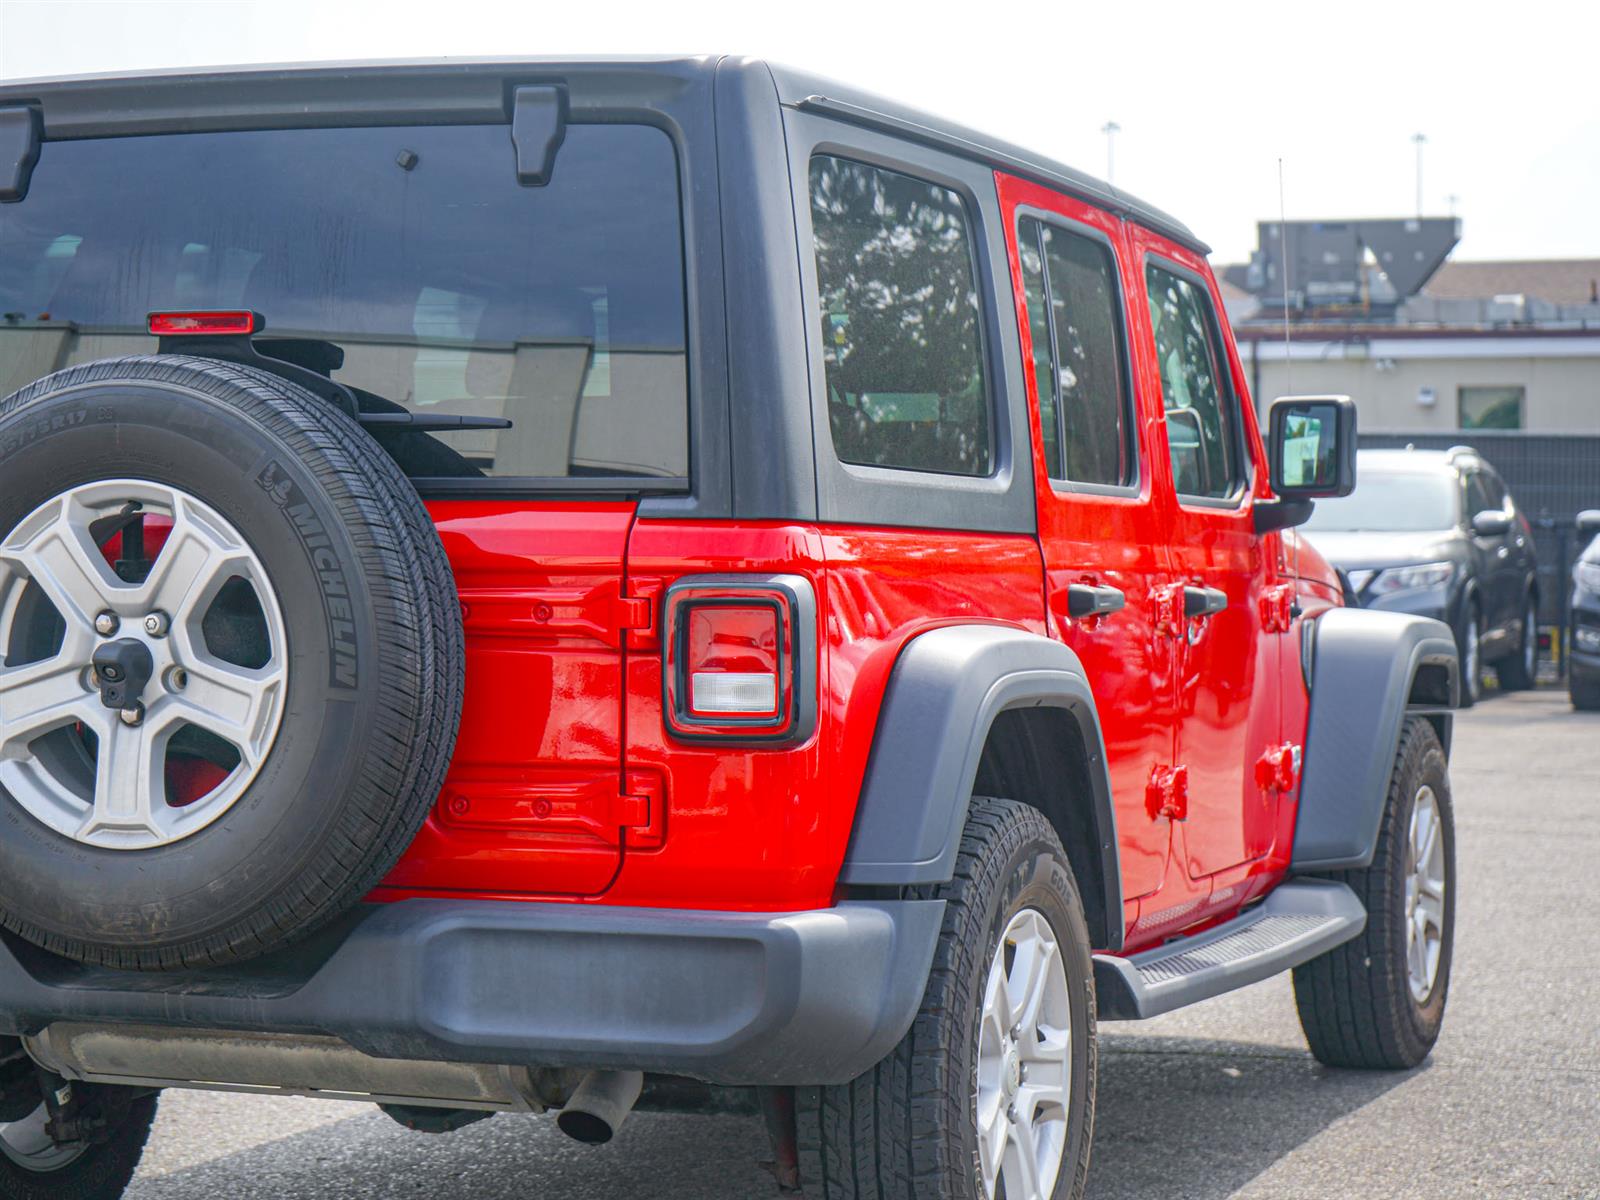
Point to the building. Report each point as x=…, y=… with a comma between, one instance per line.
x=1424, y=344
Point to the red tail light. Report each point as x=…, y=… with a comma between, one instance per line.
x=740, y=658
x=240, y=323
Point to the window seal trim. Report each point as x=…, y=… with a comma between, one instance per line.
x=1130, y=408
x=1236, y=500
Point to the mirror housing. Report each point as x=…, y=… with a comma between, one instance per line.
x=1491, y=522
x=1588, y=522
x=1311, y=446
x=1311, y=453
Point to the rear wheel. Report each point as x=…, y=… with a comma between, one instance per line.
x=1519, y=672
x=1377, y=1002
x=991, y=1093
x=1584, y=690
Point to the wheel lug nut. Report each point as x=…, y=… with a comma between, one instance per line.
x=106, y=624
x=157, y=624
x=177, y=679
x=133, y=716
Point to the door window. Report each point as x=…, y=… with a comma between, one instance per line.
x=1201, y=411
x=1079, y=362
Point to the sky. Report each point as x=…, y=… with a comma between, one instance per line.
x=1210, y=97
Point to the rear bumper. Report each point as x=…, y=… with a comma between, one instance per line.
x=731, y=998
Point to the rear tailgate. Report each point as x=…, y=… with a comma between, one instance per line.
x=533, y=802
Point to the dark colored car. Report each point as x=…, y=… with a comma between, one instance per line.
x=1437, y=533
x=1583, y=663
x=571, y=585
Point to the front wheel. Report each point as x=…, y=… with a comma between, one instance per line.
x=991, y=1093
x=1377, y=1002
x=109, y=1127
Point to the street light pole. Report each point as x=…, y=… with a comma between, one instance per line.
x=1110, y=129
x=1421, y=139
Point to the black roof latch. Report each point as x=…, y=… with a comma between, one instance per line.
x=538, y=124
x=19, y=151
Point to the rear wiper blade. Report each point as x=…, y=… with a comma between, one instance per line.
x=411, y=422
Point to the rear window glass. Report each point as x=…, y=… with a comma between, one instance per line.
x=901, y=343
x=450, y=288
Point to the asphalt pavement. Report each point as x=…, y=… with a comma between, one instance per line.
x=1218, y=1101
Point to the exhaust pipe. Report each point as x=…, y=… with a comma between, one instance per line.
x=602, y=1102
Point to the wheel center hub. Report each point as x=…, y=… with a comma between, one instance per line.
x=1011, y=1072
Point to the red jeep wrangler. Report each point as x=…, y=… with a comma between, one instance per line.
x=589, y=585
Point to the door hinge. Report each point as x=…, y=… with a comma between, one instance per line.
x=1278, y=769
x=1167, y=793
x=1170, y=619
x=1278, y=608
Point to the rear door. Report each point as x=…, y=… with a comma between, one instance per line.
x=1099, y=530
x=1227, y=712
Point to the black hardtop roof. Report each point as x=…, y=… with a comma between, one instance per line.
x=458, y=90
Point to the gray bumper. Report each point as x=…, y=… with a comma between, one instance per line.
x=735, y=998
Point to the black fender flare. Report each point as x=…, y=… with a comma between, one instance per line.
x=947, y=688
x=1370, y=670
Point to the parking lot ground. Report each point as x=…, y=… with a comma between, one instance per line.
x=1218, y=1101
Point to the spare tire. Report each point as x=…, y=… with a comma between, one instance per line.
x=231, y=662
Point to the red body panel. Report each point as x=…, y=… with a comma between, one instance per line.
x=531, y=804
x=567, y=784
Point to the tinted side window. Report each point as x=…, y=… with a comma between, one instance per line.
x=1200, y=407
x=1480, y=494
x=900, y=315
x=1073, y=291
x=449, y=288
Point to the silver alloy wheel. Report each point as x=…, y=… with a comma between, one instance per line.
x=1530, y=641
x=27, y=1144
x=1473, y=666
x=1425, y=885
x=1024, y=1067
x=107, y=784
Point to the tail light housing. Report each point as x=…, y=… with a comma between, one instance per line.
x=740, y=659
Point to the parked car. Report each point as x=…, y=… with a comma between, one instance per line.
x=1437, y=533
x=489, y=626
x=1583, y=660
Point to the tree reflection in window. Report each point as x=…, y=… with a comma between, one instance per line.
x=900, y=316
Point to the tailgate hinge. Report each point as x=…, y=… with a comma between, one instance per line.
x=641, y=805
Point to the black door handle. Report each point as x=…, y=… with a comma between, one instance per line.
x=1203, y=602
x=1084, y=600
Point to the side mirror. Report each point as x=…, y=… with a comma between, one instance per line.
x=1491, y=522
x=1312, y=447
x=1311, y=452
x=1589, y=522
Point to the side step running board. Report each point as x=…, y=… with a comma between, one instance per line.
x=1301, y=919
